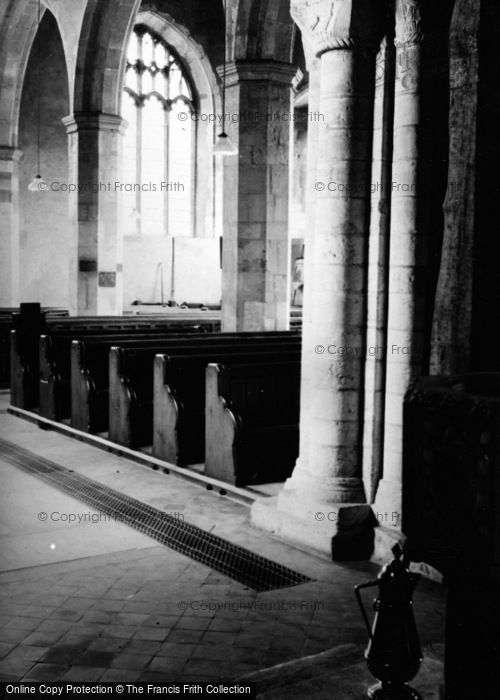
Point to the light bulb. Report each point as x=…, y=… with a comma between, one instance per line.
x=38, y=184
x=224, y=146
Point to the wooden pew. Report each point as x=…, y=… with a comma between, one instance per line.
x=5, y=328
x=55, y=361
x=27, y=326
x=24, y=342
x=90, y=372
x=179, y=401
x=131, y=387
x=252, y=421
x=11, y=318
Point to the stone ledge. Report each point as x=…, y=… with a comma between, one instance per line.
x=304, y=668
x=339, y=673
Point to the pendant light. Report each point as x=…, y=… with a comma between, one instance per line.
x=224, y=146
x=38, y=184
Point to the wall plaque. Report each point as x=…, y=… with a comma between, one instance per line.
x=107, y=279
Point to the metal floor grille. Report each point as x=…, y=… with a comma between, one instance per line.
x=240, y=564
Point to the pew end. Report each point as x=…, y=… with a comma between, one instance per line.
x=16, y=372
x=220, y=429
x=251, y=418
x=81, y=388
x=48, y=379
x=165, y=415
x=120, y=400
x=24, y=381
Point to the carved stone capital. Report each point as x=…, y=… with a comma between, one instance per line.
x=409, y=24
x=10, y=153
x=94, y=122
x=339, y=24
x=272, y=71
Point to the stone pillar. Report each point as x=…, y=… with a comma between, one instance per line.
x=378, y=264
x=407, y=254
x=9, y=225
x=256, y=246
x=323, y=504
x=94, y=212
x=313, y=131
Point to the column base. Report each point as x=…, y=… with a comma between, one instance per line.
x=388, y=504
x=340, y=531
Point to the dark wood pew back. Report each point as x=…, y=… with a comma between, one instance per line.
x=55, y=360
x=252, y=421
x=179, y=399
x=131, y=384
x=6, y=325
x=28, y=326
x=90, y=369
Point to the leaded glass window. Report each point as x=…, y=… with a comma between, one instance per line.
x=159, y=148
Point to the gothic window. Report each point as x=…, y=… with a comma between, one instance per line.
x=160, y=141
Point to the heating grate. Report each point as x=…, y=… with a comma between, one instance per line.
x=240, y=564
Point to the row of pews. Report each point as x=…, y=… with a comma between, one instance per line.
x=8, y=318
x=174, y=386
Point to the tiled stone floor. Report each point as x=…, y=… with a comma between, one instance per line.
x=99, y=601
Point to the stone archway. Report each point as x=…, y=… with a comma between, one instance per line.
x=100, y=61
x=42, y=215
x=18, y=27
x=95, y=130
x=260, y=29
x=18, y=24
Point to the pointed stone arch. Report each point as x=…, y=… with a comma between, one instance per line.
x=260, y=29
x=18, y=26
x=18, y=29
x=100, y=61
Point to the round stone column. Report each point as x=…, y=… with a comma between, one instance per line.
x=407, y=255
x=342, y=212
x=378, y=262
x=324, y=498
x=313, y=130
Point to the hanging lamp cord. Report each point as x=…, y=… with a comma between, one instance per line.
x=224, y=71
x=38, y=90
